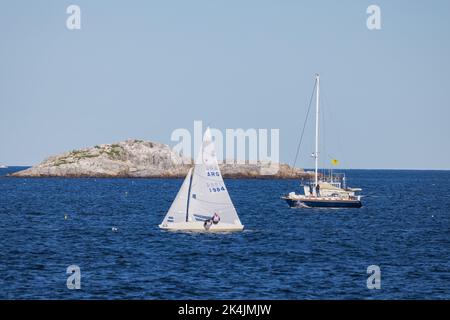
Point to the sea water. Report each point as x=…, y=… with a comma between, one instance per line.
x=109, y=229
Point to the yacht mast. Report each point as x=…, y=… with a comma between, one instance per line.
x=316, y=154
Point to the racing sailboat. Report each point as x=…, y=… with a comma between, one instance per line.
x=203, y=202
x=327, y=191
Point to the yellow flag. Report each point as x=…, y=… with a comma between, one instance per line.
x=335, y=162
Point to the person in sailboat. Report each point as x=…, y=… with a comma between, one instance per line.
x=207, y=224
x=310, y=190
x=317, y=190
x=215, y=218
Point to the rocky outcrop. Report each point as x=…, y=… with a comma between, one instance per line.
x=144, y=159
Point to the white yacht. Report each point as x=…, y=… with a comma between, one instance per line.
x=329, y=191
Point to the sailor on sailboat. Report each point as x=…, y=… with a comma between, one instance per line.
x=328, y=191
x=203, y=202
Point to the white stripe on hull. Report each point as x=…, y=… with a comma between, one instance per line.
x=198, y=226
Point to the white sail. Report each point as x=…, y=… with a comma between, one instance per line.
x=178, y=209
x=203, y=195
x=209, y=194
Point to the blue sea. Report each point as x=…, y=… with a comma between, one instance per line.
x=50, y=223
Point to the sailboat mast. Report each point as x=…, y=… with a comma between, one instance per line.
x=189, y=194
x=316, y=154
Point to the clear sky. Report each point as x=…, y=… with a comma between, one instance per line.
x=140, y=69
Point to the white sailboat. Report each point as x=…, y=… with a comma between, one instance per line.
x=326, y=191
x=203, y=202
x=3, y=166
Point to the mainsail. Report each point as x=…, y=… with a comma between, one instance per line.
x=202, y=195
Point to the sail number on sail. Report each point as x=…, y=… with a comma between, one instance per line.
x=215, y=187
x=213, y=173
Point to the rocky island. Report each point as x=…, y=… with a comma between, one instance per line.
x=141, y=159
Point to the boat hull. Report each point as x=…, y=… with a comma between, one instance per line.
x=198, y=226
x=323, y=203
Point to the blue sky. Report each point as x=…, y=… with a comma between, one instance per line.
x=140, y=69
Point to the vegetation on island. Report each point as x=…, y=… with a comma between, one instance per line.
x=114, y=151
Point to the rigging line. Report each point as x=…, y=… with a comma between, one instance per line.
x=304, y=126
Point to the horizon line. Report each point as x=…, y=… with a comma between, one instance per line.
x=312, y=169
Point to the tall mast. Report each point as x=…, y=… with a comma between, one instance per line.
x=189, y=194
x=316, y=154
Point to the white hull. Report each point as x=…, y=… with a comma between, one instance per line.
x=198, y=226
x=328, y=191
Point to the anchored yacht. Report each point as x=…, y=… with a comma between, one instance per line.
x=324, y=191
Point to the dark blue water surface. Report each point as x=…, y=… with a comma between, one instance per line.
x=404, y=228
